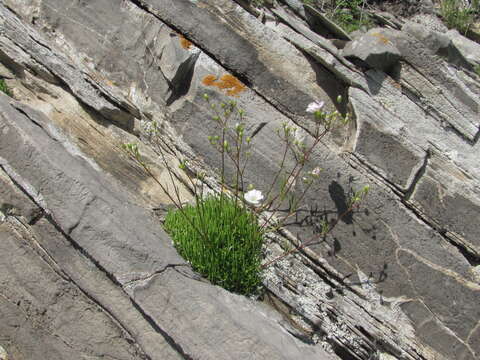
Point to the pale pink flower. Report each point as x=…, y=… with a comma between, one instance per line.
x=315, y=106
x=316, y=171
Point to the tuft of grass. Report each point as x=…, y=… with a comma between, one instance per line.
x=458, y=16
x=4, y=88
x=222, y=241
x=349, y=22
x=349, y=16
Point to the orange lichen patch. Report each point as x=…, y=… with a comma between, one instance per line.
x=381, y=38
x=186, y=44
x=209, y=80
x=227, y=82
x=236, y=90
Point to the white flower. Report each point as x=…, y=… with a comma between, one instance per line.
x=254, y=197
x=315, y=106
x=316, y=171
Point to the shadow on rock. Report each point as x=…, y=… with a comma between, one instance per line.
x=341, y=201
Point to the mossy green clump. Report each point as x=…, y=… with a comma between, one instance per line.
x=4, y=88
x=222, y=241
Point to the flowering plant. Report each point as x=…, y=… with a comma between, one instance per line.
x=315, y=106
x=220, y=234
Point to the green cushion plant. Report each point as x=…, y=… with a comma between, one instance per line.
x=222, y=240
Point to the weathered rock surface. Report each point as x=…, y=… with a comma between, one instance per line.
x=86, y=270
x=443, y=44
x=375, y=49
x=469, y=49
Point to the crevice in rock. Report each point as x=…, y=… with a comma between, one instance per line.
x=120, y=114
x=43, y=45
x=341, y=60
x=290, y=325
x=410, y=91
x=450, y=128
x=112, y=278
x=145, y=7
x=177, y=347
x=472, y=258
x=148, y=277
x=477, y=136
x=50, y=261
x=167, y=337
x=36, y=218
x=345, y=353
x=141, y=5
x=9, y=63
x=372, y=171
x=340, y=348
x=35, y=122
x=418, y=175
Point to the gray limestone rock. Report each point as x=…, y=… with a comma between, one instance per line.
x=429, y=79
x=82, y=254
x=433, y=40
x=380, y=142
x=469, y=49
x=430, y=21
x=297, y=6
x=451, y=205
x=132, y=251
x=439, y=44
x=375, y=48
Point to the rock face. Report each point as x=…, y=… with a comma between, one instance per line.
x=86, y=271
x=468, y=48
x=373, y=48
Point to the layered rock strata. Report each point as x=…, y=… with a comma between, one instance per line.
x=87, y=271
